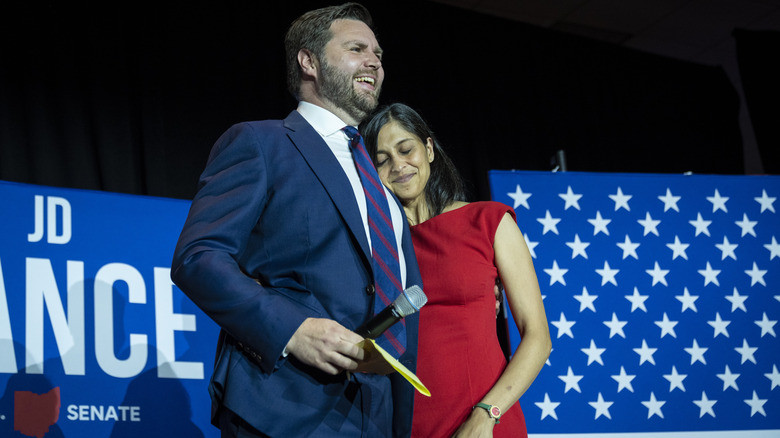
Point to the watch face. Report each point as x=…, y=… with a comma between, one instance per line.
x=495, y=411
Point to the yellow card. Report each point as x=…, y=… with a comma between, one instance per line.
x=398, y=366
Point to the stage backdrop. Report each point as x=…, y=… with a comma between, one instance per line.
x=95, y=341
x=663, y=296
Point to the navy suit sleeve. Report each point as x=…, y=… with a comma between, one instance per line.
x=231, y=198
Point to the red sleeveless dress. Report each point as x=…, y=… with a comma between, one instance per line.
x=459, y=357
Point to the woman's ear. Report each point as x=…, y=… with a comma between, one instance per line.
x=429, y=149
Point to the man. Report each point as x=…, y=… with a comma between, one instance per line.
x=276, y=250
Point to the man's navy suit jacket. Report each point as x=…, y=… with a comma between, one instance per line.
x=274, y=236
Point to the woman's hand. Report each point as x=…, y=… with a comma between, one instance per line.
x=477, y=425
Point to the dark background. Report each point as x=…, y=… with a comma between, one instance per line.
x=130, y=96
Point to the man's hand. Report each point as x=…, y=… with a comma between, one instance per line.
x=327, y=345
x=499, y=296
x=374, y=363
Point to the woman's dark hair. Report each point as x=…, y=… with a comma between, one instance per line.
x=445, y=184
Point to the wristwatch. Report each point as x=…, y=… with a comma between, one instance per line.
x=492, y=410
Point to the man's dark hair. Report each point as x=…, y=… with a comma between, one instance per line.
x=312, y=31
x=445, y=184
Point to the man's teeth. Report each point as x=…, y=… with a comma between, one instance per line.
x=369, y=80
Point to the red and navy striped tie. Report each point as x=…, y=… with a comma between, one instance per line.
x=387, y=274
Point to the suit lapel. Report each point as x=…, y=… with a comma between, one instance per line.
x=330, y=174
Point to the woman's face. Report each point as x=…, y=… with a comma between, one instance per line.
x=403, y=162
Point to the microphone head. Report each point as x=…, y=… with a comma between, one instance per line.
x=410, y=301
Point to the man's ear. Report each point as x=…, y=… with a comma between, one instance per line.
x=308, y=62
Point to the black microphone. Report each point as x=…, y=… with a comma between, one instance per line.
x=407, y=303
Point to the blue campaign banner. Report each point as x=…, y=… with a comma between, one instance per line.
x=95, y=340
x=663, y=297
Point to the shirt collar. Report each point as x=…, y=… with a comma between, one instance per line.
x=323, y=121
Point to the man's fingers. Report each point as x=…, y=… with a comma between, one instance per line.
x=327, y=345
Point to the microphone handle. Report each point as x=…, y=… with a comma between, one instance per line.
x=377, y=325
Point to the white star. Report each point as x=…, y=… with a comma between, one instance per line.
x=550, y=223
x=658, y=274
x=645, y=353
x=629, y=248
x=556, y=274
x=607, y=274
x=675, y=380
x=705, y=405
x=710, y=275
x=767, y=326
x=602, y=407
x=727, y=249
x=729, y=379
x=756, y=275
x=653, y=406
x=667, y=327
x=670, y=201
x=678, y=248
x=766, y=202
x=774, y=248
x=624, y=380
x=620, y=199
x=773, y=377
x=747, y=225
x=564, y=326
x=531, y=245
x=599, y=224
x=616, y=326
x=572, y=199
x=586, y=300
x=572, y=381
x=520, y=198
x=701, y=225
x=547, y=407
x=756, y=405
x=719, y=325
x=650, y=225
x=737, y=301
x=578, y=247
x=594, y=353
x=718, y=202
x=688, y=301
x=696, y=352
x=637, y=301
x=746, y=351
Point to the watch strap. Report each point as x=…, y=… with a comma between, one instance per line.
x=493, y=411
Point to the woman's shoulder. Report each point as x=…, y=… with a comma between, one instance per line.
x=491, y=208
x=455, y=205
x=483, y=207
x=488, y=213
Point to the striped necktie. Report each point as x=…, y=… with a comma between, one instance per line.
x=384, y=251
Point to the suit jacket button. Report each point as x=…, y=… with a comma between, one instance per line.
x=370, y=289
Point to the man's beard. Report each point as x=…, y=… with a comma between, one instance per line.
x=338, y=88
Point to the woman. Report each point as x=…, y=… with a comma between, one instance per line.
x=462, y=248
